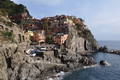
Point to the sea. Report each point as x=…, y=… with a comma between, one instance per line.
x=111, y=72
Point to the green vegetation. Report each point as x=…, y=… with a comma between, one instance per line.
x=86, y=34
x=49, y=39
x=9, y=24
x=10, y=8
x=14, y=11
x=45, y=26
x=79, y=26
x=3, y=12
x=7, y=34
x=6, y=22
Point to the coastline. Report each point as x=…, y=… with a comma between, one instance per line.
x=60, y=76
x=47, y=48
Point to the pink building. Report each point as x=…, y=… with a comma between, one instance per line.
x=39, y=36
x=60, y=38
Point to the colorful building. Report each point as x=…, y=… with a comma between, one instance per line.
x=38, y=36
x=60, y=38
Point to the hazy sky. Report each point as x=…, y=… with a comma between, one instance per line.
x=101, y=16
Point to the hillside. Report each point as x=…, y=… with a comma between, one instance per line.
x=16, y=12
x=64, y=39
x=79, y=37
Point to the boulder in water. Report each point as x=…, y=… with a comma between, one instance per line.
x=103, y=62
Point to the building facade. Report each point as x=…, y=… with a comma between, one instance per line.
x=60, y=38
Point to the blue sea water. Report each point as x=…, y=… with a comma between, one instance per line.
x=100, y=72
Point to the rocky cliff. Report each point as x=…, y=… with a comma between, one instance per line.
x=11, y=32
x=15, y=64
x=81, y=40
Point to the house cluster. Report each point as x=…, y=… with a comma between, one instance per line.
x=57, y=27
x=40, y=37
x=58, y=21
x=60, y=38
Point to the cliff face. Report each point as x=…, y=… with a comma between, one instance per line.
x=15, y=64
x=11, y=32
x=74, y=42
x=80, y=42
x=7, y=55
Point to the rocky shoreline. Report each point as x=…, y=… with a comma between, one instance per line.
x=113, y=52
x=24, y=67
x=61, y=74
x=104, y=49
x=64, y=44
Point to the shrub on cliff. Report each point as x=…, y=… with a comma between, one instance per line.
x=14, y=11
x=3, y=12
x=7, y=34
x=11, y=8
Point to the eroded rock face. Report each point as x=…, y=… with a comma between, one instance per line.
x=77, y=43
x=11, y=33
x=74, y=61
x=15, y=65
x=6, y=56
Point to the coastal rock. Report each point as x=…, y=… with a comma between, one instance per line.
x=15, y=64
x=74, y=61
x=103, y=62
x=76, y=41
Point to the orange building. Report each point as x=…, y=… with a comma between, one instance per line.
x=38, y=36
x=60, y=38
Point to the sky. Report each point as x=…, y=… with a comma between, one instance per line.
x=101, y=16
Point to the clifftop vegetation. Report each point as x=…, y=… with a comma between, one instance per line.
x=8, y=7
x=13, y=11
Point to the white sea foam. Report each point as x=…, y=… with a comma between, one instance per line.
x=58, y=76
